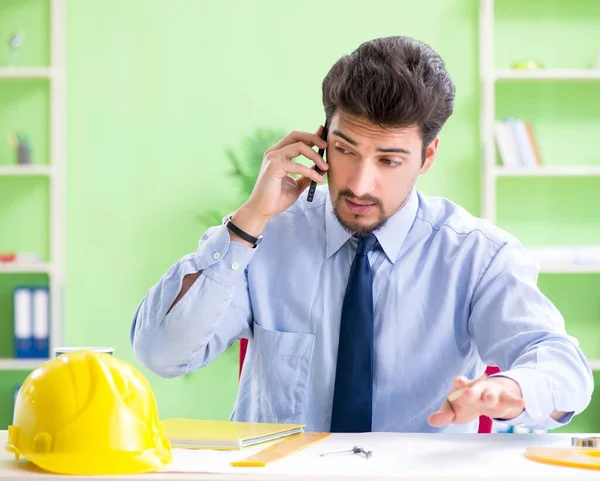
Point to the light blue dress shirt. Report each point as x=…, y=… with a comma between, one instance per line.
x=452, y=294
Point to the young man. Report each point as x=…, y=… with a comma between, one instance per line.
x=373, y=307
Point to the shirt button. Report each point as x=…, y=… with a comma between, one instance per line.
x=235, y=266
x=216, y=255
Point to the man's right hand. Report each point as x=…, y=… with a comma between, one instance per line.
x=275, y=189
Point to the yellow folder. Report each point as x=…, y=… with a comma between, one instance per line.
x=207, y=434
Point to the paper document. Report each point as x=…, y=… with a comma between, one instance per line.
x=456, y=456
x=198, y=433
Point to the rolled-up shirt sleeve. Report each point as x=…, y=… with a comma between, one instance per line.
x=517, y=328
x=212, y=314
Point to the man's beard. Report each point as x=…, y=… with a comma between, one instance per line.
x=355, y=227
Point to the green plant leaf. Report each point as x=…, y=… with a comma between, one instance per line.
x=246, y=165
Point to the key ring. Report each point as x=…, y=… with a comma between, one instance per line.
x=354, y=450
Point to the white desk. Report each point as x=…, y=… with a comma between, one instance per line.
x=395, y=456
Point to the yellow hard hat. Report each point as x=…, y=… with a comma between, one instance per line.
x=88, y=413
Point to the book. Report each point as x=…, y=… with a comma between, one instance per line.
x=506, y=144
x=524, y=147
x=517, y=144
x=534, y=144
x=208, y=434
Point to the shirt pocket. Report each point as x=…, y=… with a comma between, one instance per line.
x=281, y=372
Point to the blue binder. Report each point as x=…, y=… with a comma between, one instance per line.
x=31, y=313
x=23, y=322
x=41, y=322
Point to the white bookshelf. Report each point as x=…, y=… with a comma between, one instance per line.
x=21, y=73
x=568, y=268
x=10, y=364
x=548, y=74
x=547, y=171
x=553, y=260
x=26, y=268
x=489, y=76
x=56, y=173
x=19, y=170
x=566, y=259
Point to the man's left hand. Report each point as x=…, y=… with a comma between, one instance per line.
x=496, y=397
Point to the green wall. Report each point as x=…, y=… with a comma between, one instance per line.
x=156, y=95
x=157, y=91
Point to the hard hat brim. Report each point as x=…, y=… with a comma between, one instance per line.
x=129, y=462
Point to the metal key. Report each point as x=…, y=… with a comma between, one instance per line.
x=354, y=450
x=367, y=454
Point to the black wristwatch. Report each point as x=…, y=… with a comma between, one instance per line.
x=244, y=235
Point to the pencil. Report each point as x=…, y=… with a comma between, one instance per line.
x=458, y=393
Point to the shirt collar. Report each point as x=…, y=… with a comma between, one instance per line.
x=391, y=236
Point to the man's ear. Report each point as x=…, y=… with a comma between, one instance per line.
x=430, y=153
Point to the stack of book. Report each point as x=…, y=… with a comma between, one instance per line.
x=516, y=142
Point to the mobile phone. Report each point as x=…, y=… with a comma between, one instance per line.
x=313, y=184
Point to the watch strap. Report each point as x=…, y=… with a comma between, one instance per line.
x=244, y=235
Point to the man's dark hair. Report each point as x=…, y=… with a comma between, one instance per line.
x=392, y=82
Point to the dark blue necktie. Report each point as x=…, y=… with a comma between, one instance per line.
x=353, y=393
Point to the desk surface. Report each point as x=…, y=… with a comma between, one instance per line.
x=395, y=456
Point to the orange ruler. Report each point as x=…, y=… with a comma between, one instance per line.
x=574, y=457
x=281, y=449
